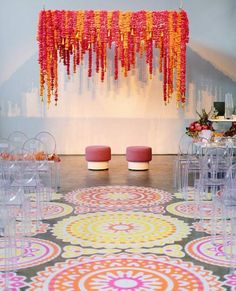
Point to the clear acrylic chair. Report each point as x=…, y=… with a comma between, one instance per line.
x=49, y=140
x=213, y=167
x=9, y=243
x=13, y=195
x=35, y=161
x=4, y=148
x=26, y=177
x=16, y=140
x=36, y=150
x=227, y=197
x=181, y=159
x=189, y=165
x=12, y=203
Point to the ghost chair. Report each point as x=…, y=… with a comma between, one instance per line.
x=16, y=140
x=36, y=163
x=213, y=168
x=50, y=142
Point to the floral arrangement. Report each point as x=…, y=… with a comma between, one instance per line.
x=37, y=156
x=69, y=35
x=203, y=123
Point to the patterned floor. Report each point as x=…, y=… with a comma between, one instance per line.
x=121, y=238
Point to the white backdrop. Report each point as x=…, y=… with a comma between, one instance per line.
x=130, y=112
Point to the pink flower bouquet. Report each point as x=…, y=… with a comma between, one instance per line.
x=202, y=124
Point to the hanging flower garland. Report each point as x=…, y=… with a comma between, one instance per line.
x=68, y=35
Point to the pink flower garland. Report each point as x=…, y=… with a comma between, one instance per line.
x=69, y=35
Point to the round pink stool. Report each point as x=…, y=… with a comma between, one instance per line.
x=97, y=157
x=138, y=157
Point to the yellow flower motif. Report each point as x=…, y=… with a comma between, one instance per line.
x=121, y=230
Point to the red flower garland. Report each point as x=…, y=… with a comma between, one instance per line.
x=62, y=34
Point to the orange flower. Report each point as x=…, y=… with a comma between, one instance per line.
x=72, y=34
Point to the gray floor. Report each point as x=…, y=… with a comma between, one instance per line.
x=74, y=173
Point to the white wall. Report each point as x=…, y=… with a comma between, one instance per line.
x=130, y=112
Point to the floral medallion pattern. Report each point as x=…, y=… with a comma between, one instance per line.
x=134, y=246
x=53, y=210
x=118, y=198
x=188, y=209
x=36, y=228
x=125, y=272
x=206, y=226
x=120, y=230
x=35, y=252
x=203, y=250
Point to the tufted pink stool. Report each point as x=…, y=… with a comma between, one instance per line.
x=138, y=157
x=97, y=157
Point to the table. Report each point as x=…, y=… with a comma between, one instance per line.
x=223, y=119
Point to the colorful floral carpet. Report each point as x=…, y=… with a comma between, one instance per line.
x=120, y=238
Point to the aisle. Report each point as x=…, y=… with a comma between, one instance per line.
x=121, y=238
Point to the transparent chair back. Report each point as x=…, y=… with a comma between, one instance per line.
x=16, y=140
x=228, y=213
x=214, y=165
x=13, y=210
x=34, y=146
x=183, y=146
x=184, y=143
x=8, y=244
x=36, y=151
x=188, y=164
x=49, y=140
x=4, y=148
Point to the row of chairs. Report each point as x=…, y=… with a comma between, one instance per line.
x=25, y=189
x=209, y=168
x=193, y=149
x=16, y=140
x=42, y=147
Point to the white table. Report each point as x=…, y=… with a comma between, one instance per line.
x=223, y=119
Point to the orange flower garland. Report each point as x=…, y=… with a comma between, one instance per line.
x=68, y=35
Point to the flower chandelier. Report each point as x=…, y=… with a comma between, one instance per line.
x=69, y=35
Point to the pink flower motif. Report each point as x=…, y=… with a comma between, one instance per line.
x=16, y=282
x=230, y=281
x=157, y=209
x=218, y=249
x=82, y=209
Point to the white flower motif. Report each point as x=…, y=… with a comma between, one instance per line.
x=126, y=280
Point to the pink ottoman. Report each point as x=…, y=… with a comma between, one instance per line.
x=138, y=157
x=97, y=157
